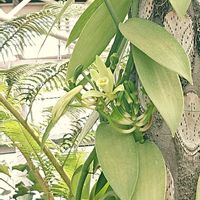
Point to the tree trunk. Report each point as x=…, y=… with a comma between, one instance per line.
x=182, y=153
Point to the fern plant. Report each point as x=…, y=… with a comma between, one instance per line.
x=28, y=81
x=46, y=177
x=20, y=32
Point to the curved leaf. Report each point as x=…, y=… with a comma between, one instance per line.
x=75, y=180
x=158, y=44
x=152, y=174
x=118, y=158
x=96, y=35
x=162, y=86
x=180, y=6
x=78, y=27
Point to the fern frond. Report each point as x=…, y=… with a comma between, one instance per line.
x=48, y=78
x=20, y=32
x=27, y=81
x=69, y=140
x=30, y=149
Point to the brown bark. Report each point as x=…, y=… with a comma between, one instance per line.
x=182, y=153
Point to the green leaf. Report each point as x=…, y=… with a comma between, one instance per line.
x=75, y=180
x=100, y=183
x=21, y=190
x=118, y=158
x=92, y=193
x=151, y=182
x=58, y=17
x=20, y=167
x=162, y=86
x=4, y=169
x=180, y=7
x=158, y=44
x=59, y=109
x=101, y=187
x=80, y=24
x=96, y=35
x=110, y=195
x=198, y=190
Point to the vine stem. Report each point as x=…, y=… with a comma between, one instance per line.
x=31, y=131
x=43, y=183
x=84, y=173
x=112, y=12
x=135, y=8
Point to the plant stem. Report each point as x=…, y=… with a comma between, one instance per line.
x=115, y=46
x=48, y=153
x=7, y=183
x=112, y=12
x=43, y=183
x=135, y=8
x=84, y=173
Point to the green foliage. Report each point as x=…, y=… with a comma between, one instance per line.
x=20, y=32
x=75, y=180
x=132, y=168
x=71, y=138
x=88, y=46
x=77, y=29
x=28, y=147
x=161, y=83
x=180, y=6
x=21, y=190
x=4, y=169
x=20, y=138
x=151, y=183
x=158, y=44
x=118, y=161
x=29, y=80
x=59, y=109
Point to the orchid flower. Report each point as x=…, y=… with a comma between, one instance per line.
x=104, y=80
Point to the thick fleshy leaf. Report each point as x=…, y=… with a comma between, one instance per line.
x=59, y=109
x=198, y=190
x=158, y=44
x=162, y=86
x=180, y=6
x=151, y=182
x=96, y=34
x=78, y=27
x=118, y=158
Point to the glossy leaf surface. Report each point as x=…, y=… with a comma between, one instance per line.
x=78, y=27
x=162, y=86
x=152, y=174
x=180, y=6
x=158, y=44
x=118, y=158
x=96, y=34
